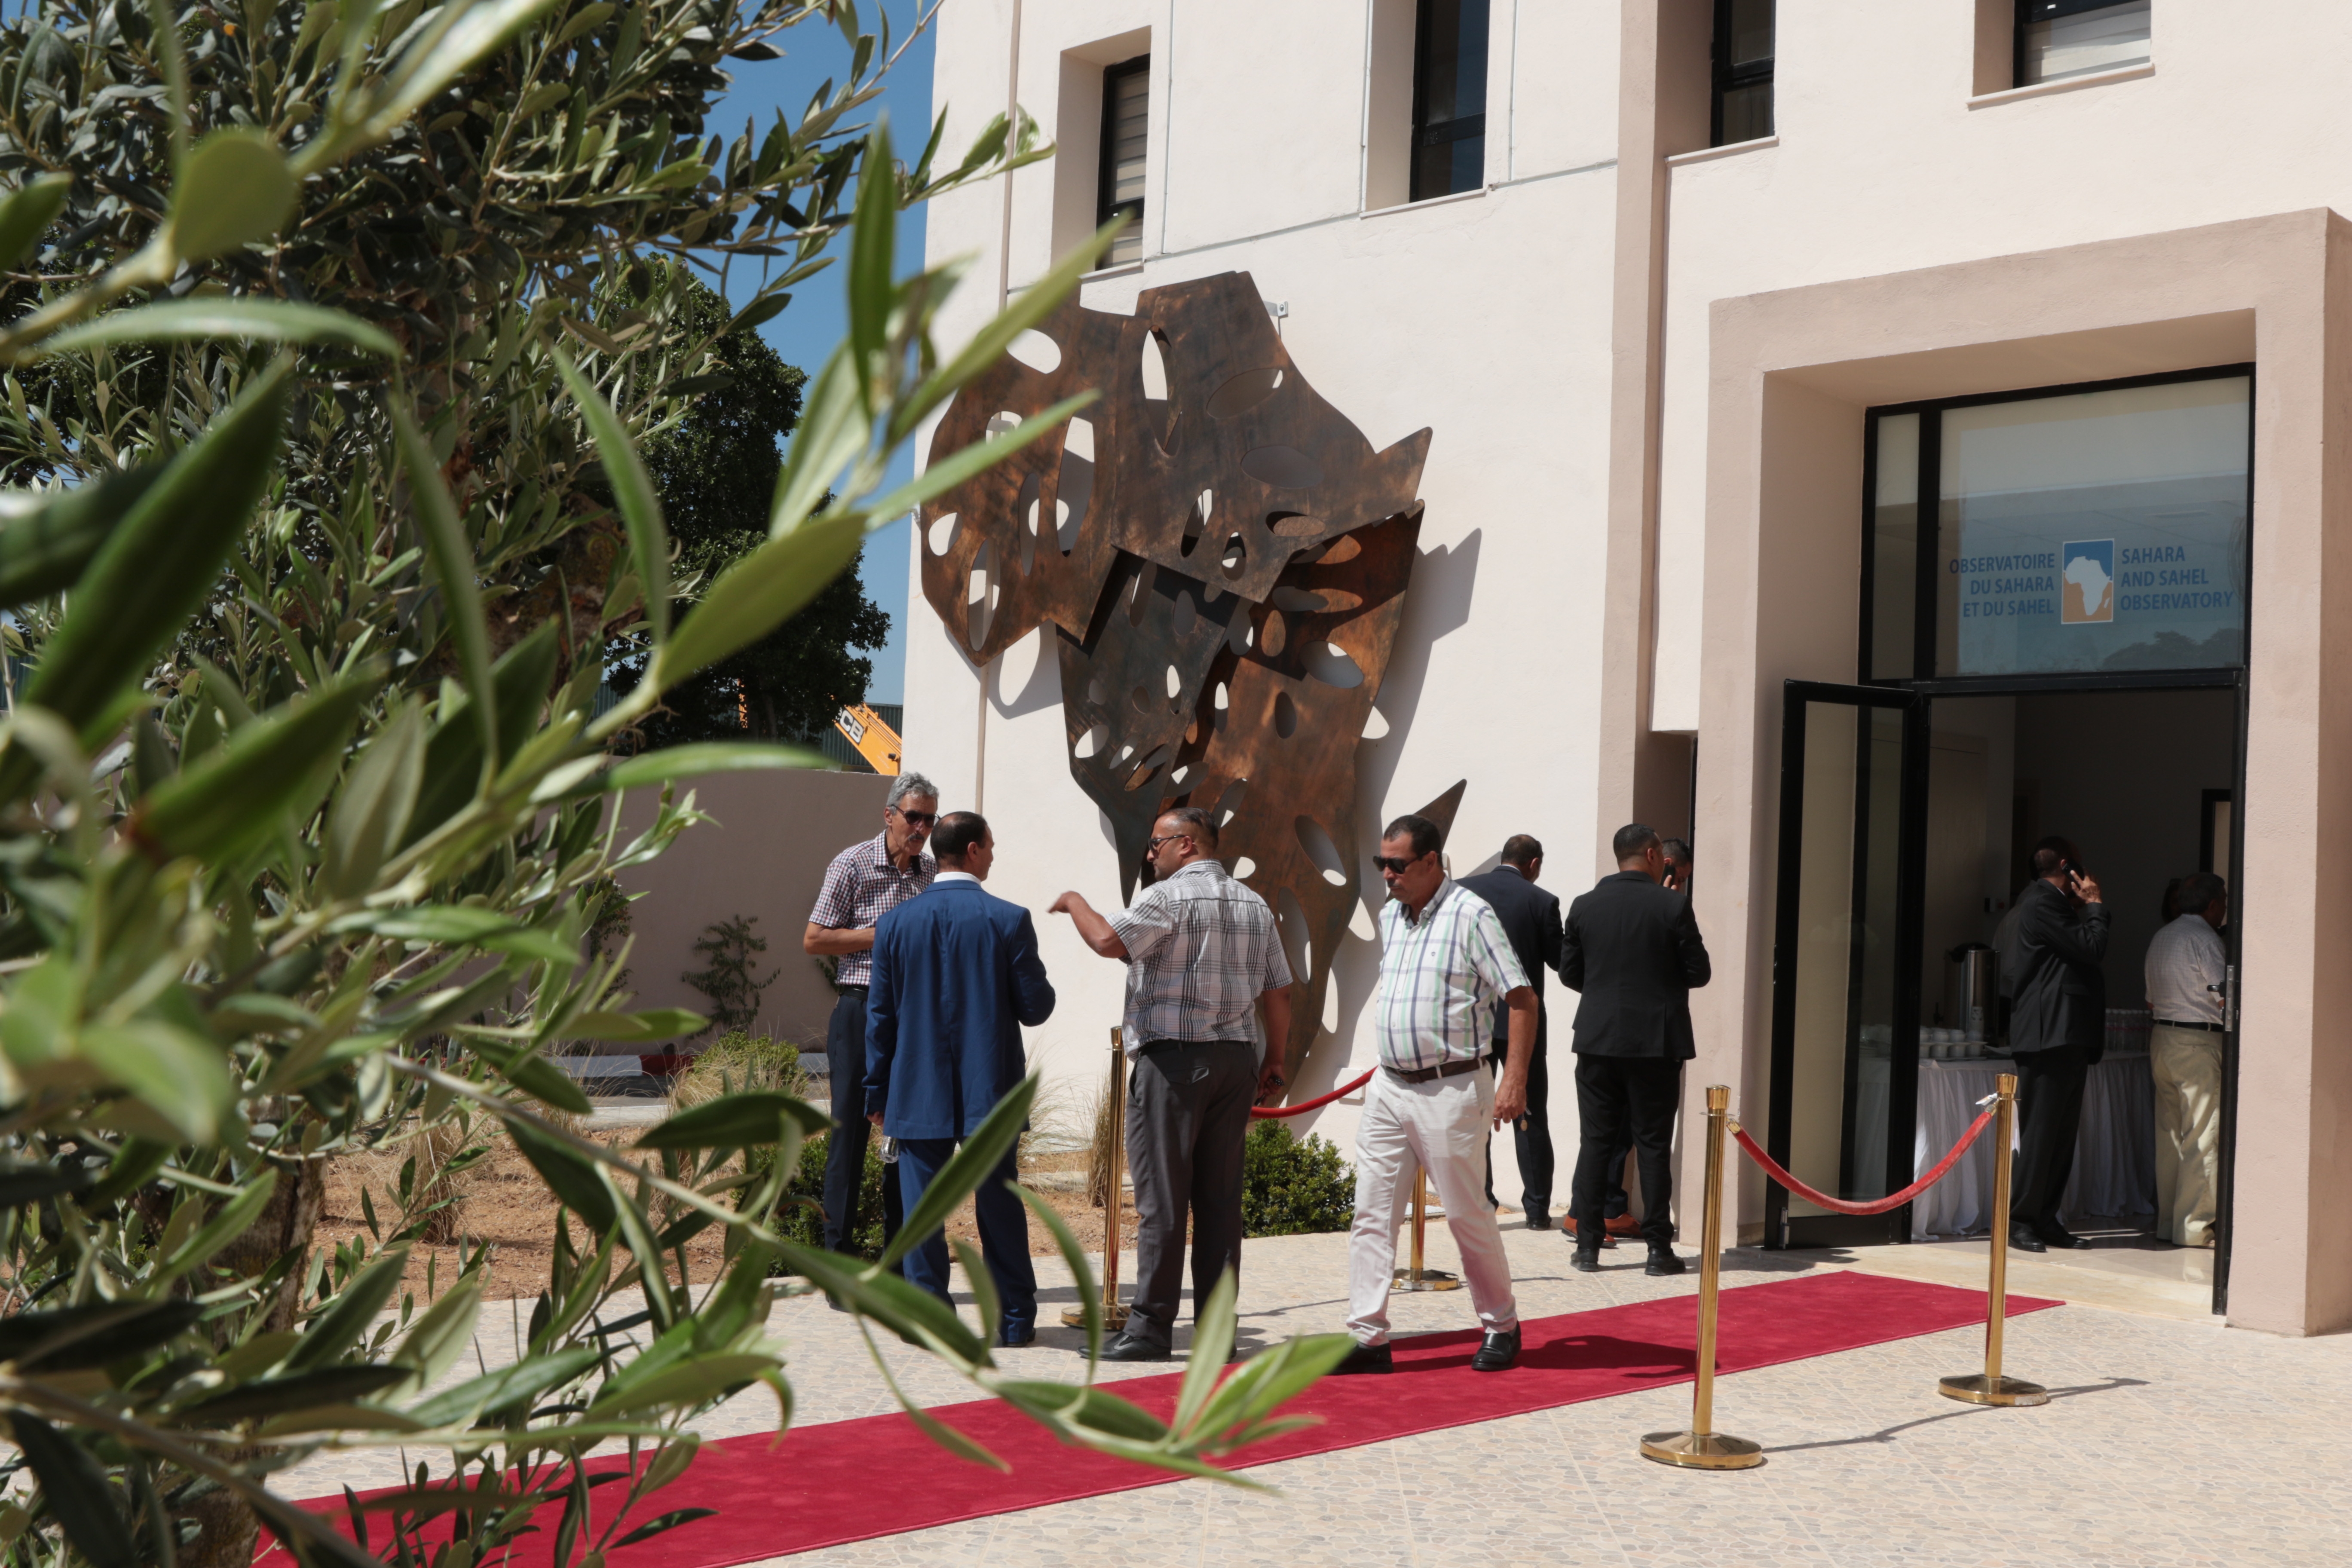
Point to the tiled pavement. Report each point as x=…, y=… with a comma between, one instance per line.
x=2170, y=1442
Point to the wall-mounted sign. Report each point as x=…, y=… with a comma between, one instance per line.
x=2095, y=531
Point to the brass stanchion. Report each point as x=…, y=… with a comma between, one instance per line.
x=1114, y=1315
x=1703, y=1447
x=1988, y=1386
x=1418, y=1278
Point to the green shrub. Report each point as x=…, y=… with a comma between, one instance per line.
x=1292, y=1186
x=800, y=1213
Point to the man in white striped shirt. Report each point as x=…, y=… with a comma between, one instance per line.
x=1444, y=964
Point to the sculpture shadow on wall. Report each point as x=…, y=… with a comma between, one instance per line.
x=1225, y=570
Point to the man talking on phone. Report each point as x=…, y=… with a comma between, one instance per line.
x=2056, y=1030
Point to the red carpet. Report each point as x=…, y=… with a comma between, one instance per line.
x=823, y=1485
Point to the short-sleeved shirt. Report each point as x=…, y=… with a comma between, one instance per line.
x=2186, y=957
x=861, y=886
x=1441, y=978
x=1201, y=948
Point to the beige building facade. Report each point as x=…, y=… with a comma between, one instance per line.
x=1684, y=300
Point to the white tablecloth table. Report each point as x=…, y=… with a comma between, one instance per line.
x=2115, y=1152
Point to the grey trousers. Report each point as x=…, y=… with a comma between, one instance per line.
x=1187, y=1113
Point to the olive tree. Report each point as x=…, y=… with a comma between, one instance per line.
x=331, y=517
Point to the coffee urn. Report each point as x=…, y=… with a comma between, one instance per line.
x=1973, y=989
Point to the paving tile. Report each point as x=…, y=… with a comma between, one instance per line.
x=2161, y=1448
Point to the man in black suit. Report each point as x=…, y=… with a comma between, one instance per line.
x=1530, y=919
x=1632, y=948
x=2057, y=1027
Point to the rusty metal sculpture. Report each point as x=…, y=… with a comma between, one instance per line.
x=1226, y=569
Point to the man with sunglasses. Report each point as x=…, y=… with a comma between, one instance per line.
x=1445, y=962
x=1200, y=952
x=865, y=882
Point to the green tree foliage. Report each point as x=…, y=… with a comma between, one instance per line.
x=303, y=795
x=1291, y=1186
x=715, y=470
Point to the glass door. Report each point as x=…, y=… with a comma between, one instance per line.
x=1845, y=957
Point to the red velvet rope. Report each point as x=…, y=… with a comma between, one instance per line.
x=1307, y=1105
x=1773, y=1169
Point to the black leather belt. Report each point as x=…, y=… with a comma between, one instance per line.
x=1423, y=1074
x=1151, y=1047
x=846, y=990
x=2181, y=1024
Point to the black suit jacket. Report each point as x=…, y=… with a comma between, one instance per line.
x=1530, y=919
x=2059, y=991
x=1633, y=949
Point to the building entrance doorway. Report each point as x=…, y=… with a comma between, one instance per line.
x=1908, y=825
x=2052, y=635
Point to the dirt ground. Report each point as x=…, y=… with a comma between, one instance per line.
x=504, y=1203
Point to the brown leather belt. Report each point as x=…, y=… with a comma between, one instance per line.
x=1423, y=1074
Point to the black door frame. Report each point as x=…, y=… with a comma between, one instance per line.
x=1923, y=679
x=1910, y=871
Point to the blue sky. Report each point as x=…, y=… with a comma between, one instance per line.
x=817, y=319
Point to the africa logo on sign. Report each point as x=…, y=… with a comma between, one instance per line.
x=1225, y=570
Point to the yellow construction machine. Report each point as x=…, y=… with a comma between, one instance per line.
x=875, y=740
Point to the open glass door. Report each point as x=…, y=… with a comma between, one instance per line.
x=1845, y=957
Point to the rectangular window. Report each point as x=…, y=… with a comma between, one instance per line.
x=2072, y=531
x=1449, y=97
x=1127, y=93
x=1743, y=70
x=2059, y=38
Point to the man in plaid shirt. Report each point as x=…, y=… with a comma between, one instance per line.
x=1444, y=964
x=1201, y=950
x=865, y=882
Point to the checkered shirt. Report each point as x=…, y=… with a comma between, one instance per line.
x=1441, y=978
x=1201, y=948
x=861, y=886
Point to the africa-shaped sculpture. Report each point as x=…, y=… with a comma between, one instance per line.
x=1226, y=568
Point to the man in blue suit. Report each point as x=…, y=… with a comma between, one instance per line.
x=956, y=974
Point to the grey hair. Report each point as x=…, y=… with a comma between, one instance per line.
x=906, y=784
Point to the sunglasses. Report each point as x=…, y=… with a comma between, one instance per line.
x=917, y=818
x=1151, y=846
x=1396, y=863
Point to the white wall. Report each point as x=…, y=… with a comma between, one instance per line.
x=1882, y=165
x=1485, y=317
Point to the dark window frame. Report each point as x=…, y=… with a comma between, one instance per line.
x=1107, y=171
x=2050, y=10
x=1461, y=128
x=1928, y=555
x=1755, y=73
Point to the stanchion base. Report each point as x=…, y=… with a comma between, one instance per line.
x=1429, y=1280
x=1702, y=1450
x=1113, y=1317
x=1975, y=1388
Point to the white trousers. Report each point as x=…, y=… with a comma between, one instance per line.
x=1440, y=1126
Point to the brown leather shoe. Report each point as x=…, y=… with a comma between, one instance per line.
x=1623, y=1224
x=1568, y=1229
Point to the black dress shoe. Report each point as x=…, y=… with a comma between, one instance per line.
x=1663, y=1261
x=2023, y=1240
x=1010, y=1334
x=1538, y=1220
x=1128, y=1347
x=1586, y=1260
x=1366, y=1358
x=1498, y=1353
x=2065, y=1240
